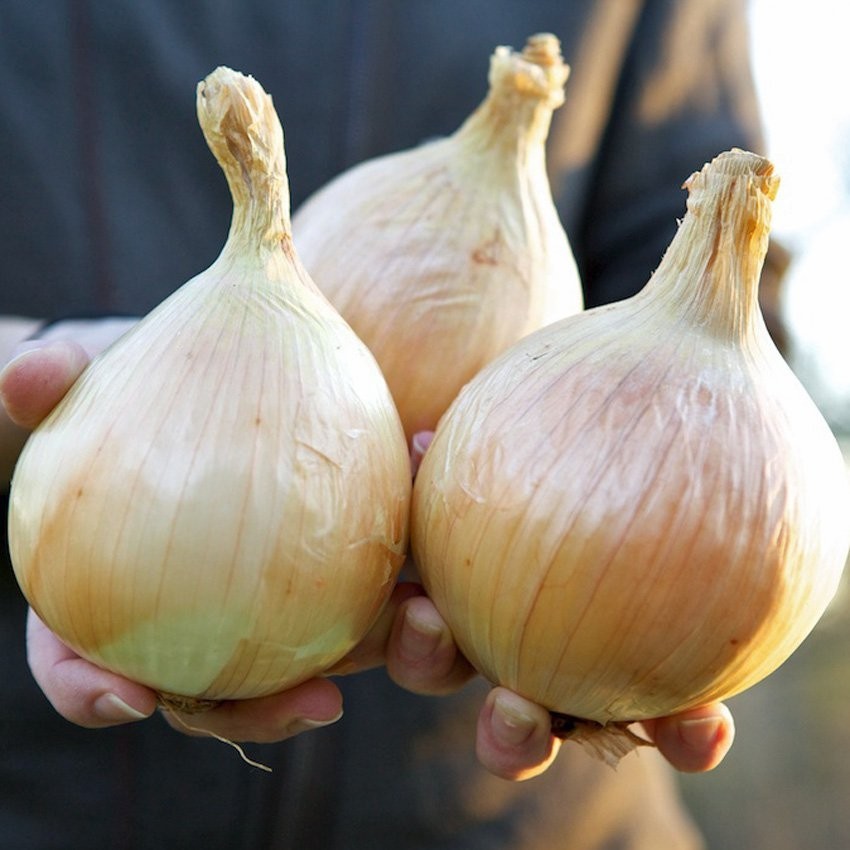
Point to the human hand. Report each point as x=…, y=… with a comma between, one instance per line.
x=31, y=385
x=514, y=737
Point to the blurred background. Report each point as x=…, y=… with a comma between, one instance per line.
x=786, y=783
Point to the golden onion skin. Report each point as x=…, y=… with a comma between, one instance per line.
x=639, y=510
x=443, y=255
x=218, y=508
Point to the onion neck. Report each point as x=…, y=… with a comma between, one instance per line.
x=710, y=273
x=242, y=130
x=525, y=89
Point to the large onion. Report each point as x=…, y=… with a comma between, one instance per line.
x=442, y=255
x=218, y=508
x=638, y=510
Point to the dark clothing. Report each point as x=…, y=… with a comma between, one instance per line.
x=109, y=200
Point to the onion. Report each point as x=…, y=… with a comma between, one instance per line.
x=443, y=255
x=218, y=508
x=639, y=510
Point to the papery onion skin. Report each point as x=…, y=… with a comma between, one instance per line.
x=639, y=510
x=442, y=255
x=218, y=508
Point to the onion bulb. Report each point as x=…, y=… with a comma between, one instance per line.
x=443, y=255
x=639, y=510
x=218, y=508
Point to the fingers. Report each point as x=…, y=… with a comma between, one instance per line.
x=311, y=705
x=515, y=742
x=372, y=650
x=418, y=446
x=94, y=698
x=414, y=643
x=514, y=739
x=34, y=382
x=421, y=655
x=694, y=741
x=79, y=691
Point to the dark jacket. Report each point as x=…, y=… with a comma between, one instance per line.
x=109, y=200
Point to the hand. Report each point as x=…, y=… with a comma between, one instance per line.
x=31, y=384
x=514, y=740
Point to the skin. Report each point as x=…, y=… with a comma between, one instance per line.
x=513, y=738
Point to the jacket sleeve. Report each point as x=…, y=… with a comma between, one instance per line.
x=684, y=93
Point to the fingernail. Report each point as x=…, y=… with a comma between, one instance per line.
x=511, y=722
x=26, y=345
x=305, y=724
x=421, y=440
x=701, y=732
x=419, y=637
x=112, y=708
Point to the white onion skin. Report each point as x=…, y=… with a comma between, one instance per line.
x=218, y=508
x=639, y=510
x=443, y=255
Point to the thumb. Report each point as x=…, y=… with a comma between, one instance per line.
x=34, y=382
